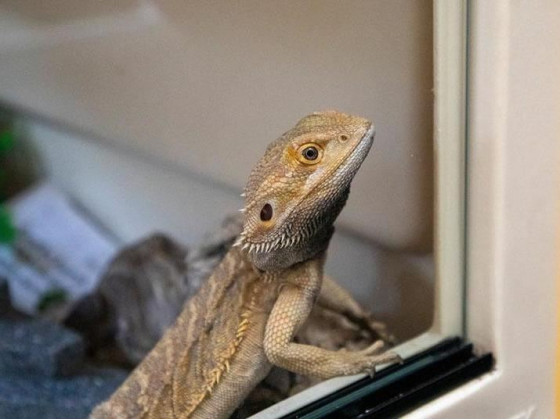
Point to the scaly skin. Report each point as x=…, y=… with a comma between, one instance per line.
x=244, y=318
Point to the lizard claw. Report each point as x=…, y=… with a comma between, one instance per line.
x=391, y=357
x=370, y=371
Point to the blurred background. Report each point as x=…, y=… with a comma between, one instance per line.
x=123, y=119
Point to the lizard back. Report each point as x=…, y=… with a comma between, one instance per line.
x=194, y=358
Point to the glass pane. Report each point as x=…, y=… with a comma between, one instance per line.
x=147, y=117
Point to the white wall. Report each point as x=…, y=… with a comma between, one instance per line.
x=179, y=99
x=207, y=84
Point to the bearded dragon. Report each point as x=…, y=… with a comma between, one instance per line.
x=242, y=321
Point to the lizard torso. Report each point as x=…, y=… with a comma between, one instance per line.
x=214, y=348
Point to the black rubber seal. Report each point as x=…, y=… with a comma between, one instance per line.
x=401, y=388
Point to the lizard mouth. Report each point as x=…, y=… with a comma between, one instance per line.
x=345, y=171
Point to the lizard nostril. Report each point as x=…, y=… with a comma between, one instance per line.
x=266, y=212
x=343, y=137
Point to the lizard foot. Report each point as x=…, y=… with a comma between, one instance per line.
x=371, y=357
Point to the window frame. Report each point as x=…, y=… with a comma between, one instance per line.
x=513, y=212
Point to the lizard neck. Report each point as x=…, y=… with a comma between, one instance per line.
x=284, y=258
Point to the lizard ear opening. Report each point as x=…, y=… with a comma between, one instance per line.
x=266, y=212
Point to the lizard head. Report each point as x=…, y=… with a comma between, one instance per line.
x=299, y=187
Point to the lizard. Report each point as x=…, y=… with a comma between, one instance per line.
x=243, y=319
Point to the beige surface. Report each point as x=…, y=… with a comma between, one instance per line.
x=208, y=84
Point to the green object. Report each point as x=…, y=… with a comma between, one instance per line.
x=7, y=140
x=52, y=297
x=7, y=228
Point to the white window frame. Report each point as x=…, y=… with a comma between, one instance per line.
x=513, y=210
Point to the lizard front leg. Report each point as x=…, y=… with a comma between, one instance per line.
x=336, y=298
x=291, y=309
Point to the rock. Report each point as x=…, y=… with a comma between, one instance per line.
x=38, y=347
x=67, y=397
x=138, y=297
x=143, y=291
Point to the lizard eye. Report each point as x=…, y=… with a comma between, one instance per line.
x=266, y=212
x=310, y=154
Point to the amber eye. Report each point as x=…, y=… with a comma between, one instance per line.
x=266, y=212
x=310, y=154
